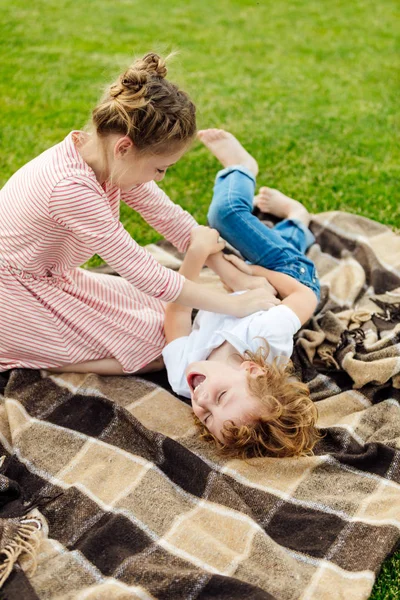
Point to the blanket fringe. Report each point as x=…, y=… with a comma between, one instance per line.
x=25, y=543
x=391, y=311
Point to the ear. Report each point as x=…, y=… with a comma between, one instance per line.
x=253, y=368
x=123, y=145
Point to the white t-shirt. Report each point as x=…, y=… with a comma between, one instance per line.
x=210, y=330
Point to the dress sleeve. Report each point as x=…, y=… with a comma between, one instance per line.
x=78, y=205
x=160, y=212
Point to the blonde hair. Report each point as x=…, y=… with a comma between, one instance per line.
x=153, y=112
x=287, y=425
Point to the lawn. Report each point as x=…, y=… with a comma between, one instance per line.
x=310, y=87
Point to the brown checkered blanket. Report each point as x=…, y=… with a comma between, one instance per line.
x=122, y=500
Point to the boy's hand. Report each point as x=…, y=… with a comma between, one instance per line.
x=253, y=301
x=248, y=281
x=239, y=264
x=205, y=240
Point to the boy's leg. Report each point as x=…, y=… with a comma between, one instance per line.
x=294, y=226
x=230, y=213
x=279, y=249
x=231, y=208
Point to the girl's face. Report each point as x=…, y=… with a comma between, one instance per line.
x=220, y=392
x=131, y=167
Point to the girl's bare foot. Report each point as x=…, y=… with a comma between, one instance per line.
x=275, y=203
x=227, y=149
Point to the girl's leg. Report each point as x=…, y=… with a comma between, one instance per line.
x=107, y=366
x=104, y=366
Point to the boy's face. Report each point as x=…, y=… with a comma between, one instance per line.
x=220, y=392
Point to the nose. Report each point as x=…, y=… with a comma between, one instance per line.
x=202, y=398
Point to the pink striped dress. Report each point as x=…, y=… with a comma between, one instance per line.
x=54, y=215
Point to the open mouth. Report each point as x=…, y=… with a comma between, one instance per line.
x=194, y=380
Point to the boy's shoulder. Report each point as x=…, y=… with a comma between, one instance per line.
x=277, y=326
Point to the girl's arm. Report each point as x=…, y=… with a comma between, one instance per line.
x=178, y=318
x=176, y=224
x=204, y=242
x=78, y=204
x=171, y=220
x=297, y=296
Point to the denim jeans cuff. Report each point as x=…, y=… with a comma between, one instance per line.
x=241, y=168
x=310, y=239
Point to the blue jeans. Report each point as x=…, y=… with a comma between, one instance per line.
x=281, y=248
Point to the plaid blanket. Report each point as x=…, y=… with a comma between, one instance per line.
x=131, y=503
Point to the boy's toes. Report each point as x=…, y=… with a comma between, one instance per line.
x=218, y=134
x=208, y=135
x=203, y=134
x=212, y=135
x=215, y=133
x=264, y=192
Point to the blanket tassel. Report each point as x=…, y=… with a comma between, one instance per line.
x=25, y=542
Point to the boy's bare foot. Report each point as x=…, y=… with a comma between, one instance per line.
x=227, y=149
x=275, y=203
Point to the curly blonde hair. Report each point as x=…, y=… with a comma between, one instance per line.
x=153, y=112
x=287, y=425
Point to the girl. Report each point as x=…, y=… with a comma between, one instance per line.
x=63, y=206
x=243, y=396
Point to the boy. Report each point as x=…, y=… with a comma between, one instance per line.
x=243, y=394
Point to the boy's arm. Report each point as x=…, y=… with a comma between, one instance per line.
x=297, y=296
x=234, y=278
x=204, y=243
x=178, y=318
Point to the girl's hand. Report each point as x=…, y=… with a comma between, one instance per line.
x=206, y=240
x=253, y=301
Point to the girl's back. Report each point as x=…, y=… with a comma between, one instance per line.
x=29, y=236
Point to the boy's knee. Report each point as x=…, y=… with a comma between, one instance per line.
x=215, y=217
x=228, y=222
x=219, y=215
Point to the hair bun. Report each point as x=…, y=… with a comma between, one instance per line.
x=137, y=76
x=155, y=114
x=134, y=79
x=153, y=64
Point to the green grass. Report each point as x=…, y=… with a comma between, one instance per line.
x=310, y=87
